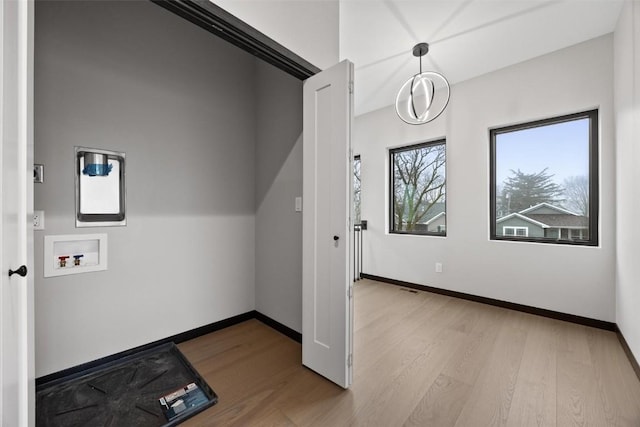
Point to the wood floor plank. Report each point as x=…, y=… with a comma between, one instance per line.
x=378, y=312
x=378, y=387
x=441, y=405
x=577, y=403
x=490, y=399
x=466, y=364
x=378, y=337
x=534, y=398
x=578, y=400
x=404, y=392
x=422, y=359
x=309, y=396
x=270, y=418
x=572, y=342
x=377, y=300
x=237, y=341
x=620, y=403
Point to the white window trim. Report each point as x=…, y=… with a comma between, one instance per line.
x=515, y=231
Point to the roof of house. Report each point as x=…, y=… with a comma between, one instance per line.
x=549, y=206
x=525, y=218
x=433, y=218
x=563, y=218
x=435, y=211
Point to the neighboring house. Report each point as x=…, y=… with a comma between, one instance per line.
x=437, y=224
x=435, y=221
x=544, y=220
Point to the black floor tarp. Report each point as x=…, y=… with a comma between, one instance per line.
x=124, y=392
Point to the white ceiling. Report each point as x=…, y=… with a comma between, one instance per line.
x=467, y=38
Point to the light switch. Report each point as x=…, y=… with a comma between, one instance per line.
x=38, y=174
x=298, y=204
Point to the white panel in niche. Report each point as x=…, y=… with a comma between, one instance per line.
x=61, y=252
x=107, y=187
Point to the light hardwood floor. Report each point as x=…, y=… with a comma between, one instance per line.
x=423, y=359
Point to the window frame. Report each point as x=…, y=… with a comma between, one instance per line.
x=357, y=158
x=391, y=183
x=594, y=204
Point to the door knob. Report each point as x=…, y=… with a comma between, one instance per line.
x=336, y=238
x=22, y=271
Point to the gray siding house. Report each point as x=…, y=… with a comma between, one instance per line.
x=435, y=221
x=544, y=220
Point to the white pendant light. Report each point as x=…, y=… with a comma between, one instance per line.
x=424, y=96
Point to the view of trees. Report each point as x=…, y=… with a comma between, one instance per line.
x=418, y=184
x=522, y=190
x=357, y=190
x=576, y=191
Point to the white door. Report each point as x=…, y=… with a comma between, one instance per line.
x=16, y=203
x=327, y=323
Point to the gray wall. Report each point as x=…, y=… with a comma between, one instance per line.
x=132, y=77
x=278, y=182
x=575, y=280
x=627, y=105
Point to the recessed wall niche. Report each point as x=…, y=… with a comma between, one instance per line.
x=100, y=187
x=74, y=253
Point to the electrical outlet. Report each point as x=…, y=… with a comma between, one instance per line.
x=438, y=267
x=38, y=220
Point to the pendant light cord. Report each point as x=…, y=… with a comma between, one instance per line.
x=413, y=102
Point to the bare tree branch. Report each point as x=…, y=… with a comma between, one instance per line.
x=419, y=184
x=576, y=192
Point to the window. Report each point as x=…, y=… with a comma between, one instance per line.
x=544, y=180
x=515, y=231
x=357, y=190
x=418, y=196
